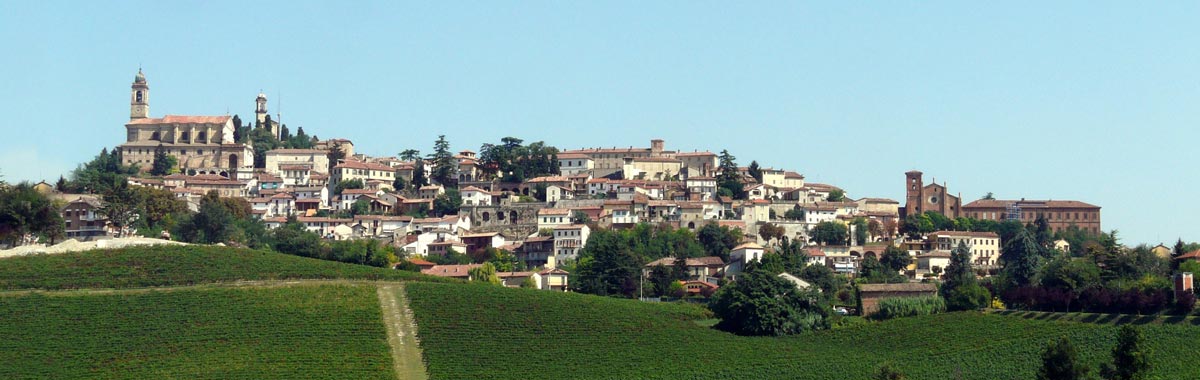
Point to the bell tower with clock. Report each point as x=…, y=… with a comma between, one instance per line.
x=139, y=98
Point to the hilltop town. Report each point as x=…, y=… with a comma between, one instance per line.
x=540, y=203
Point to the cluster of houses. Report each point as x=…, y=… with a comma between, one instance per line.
x=547, y=219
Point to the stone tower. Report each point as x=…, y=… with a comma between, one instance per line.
x=914, y=188
x=139, y=98
x=260, y=108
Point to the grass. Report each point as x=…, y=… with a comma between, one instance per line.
x=309, y=332
x=176, y=265
x=492, y=333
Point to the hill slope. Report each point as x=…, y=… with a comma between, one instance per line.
x=293, y=332
x=471, y=331
x=176, y=265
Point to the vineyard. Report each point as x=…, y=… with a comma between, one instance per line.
x=295, y=332
x=182, y=265
x=481, y=332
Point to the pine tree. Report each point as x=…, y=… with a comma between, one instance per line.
x=730, y=178
x=162, y=163
x=1020, y=258
x=444, y=165
x=1130, y=356
x=755, y=171
x=418, y=177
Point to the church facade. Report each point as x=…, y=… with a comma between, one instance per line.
x=201, y=144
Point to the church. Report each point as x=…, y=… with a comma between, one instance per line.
x=201, y=144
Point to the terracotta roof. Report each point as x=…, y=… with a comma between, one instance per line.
x=1194, y=255
x=695, y=154
x=513, y=274
x=1028, y=204
x=878, y=200
x=573, y=156
x=450, y=270
x=472, y=188
x=554, y=211
x=700, y=178
x=935, y=254
x=358, y=191
x=655, y=159
x=750, y=245
x=965, y=233
x=906, y=287
x=814, y=252
x=558, y=178
x=420, y=262
x=792, y=175
x=181, y=119
x=570, y=227
x=553, y=271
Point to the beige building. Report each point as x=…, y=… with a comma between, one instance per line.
x=201, y=144
x=651, y=168
x=316, y=160
x=984, y=246
x=696, y=164
x=365, y=171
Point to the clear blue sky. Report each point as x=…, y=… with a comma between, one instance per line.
x=1092, y=101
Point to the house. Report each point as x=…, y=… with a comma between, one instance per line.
x=82, y=220
x=569, y=239
x=296, y=161
x=574, y=163
x=699, y=288
x=431, y=191
x=382, y=225
x=452, y=271
x=984, y=246
x=515, y=279
x=320, y=193
x=474, y=196
x=422, y=264
x=555, y=193
x=932, y=264
x=442, y=248
x=1193, y=256
x=554, y=279
x=701, y=188
x=349, y=170
x=699, y=268
x=536, y=251
x=816, y=256
x=549, y=218
x=871, y=294
x=742, y=255
x=481, y=241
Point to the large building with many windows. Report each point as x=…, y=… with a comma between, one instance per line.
x=1060, y=215
x=200, y=144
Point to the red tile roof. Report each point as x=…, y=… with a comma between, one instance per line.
x=182, y=119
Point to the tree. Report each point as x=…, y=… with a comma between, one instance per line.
x=895, y=258
x=796, y=213
x=484, y=273
x=829, y=233
x=212, y=224
x=822, y=277
x=360, y=206
x=961, y=289
x=163, y=163
x=755, y=172
x=1019, y=257
x=121, y=205
x=761, y=303
x=1061, y=362
x=860, y=230
x=888, y=372
x=418, y=177
x=529, y=283
x=836, y=195
x=399, y=183
x=335, y=156
x=730, y=178
x=345, y=184
x=1042, y=234
x=580, y=217
x=1130, y=356
x=23, y=211
x=410, y=155
x=718, y=240
x=989, y=196
x=157, y=206
x=445, y=168
x=770, y=231
x=660, y=278
x=447, y=203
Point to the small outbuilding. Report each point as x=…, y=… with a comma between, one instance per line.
x=870, y=294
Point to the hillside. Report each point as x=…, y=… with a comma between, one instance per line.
x=295, y=332
x=174, y=266
x=481, y=332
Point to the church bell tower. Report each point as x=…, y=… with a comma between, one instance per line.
x=139, y=98
x=260, y=107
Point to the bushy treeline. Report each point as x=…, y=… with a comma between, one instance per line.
x=611, y=261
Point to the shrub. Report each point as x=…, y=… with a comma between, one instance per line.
x=897, y=307
x=1184, y=303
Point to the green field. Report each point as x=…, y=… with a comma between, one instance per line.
x=478, y=332
x=176, y=265
x=295, y=332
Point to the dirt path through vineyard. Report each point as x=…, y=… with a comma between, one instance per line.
x=401, y=329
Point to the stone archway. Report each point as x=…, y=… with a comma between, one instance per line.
x=512, y=216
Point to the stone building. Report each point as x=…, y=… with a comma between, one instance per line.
x=920, y=198
x=1059, y=214
x=201, y=144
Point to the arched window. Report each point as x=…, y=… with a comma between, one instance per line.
x=155, y=136
x=513, y=216
x=233, y=161
x=487, y=216
x=139, y=96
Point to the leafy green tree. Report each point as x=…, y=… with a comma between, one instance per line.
x=101, y=174
x=916, y=226
x=529, y=283
x=761, y=303
x=796, y=213
x=334, y=156
x=263, y=140
x=360, y=207
x=860, y=230
x=676, y=289
x=580, y=217
x=399, y=184
x=1020, y=257
x=347, y=184
x=212, y=224
x=836, y=195
x=989, y=196
x=24, y=210
x=822, y=277
x=121, y=204
x=1131, y=356
x=1072, y=275
x=1061, y=362
x=445, y=168
x=1042, y=234
x=158, y=206
x=447, y=203
x=661, y=278
x=769, y=232
x=418, y=177
x=895, y=258
x=961, y=289
x=730, y=178
x=719, y=240
x=484, y=273
x=829, y=233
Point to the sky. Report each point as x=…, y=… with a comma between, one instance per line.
x=1089, y=101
